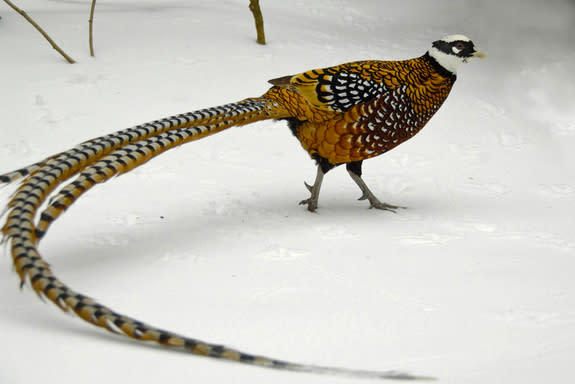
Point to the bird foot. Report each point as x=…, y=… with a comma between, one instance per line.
x=311, y=205
x=375, y=203
x=312, y=201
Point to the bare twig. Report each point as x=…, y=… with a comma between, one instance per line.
x=54, y=45
x=259, y=19
x=91, y=23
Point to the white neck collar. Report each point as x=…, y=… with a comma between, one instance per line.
x=449, y=62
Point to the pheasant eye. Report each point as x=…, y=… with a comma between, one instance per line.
x=458, y=46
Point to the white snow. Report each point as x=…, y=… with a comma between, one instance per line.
x=473, y=283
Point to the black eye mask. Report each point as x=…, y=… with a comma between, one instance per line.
x=466, y=48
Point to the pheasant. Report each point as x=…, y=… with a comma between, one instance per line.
x=341, y=115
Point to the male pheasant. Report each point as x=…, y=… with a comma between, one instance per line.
x=341, y=115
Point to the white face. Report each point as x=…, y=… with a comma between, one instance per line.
x=452, y=51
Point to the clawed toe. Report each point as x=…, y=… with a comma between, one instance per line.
x=375, y=203
x=311, y=205
x=385, y=207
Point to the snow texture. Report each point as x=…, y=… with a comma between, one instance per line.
x=472, y=283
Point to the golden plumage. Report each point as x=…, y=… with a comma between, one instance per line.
x=341, y=115
x=355, y=111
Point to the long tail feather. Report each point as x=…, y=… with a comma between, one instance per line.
x=97, y=161
x=120, y=161
x=239, y=113
x=29, y=263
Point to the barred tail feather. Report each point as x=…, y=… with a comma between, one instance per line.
x=131, y=147
x=120, y=161
x=47, y=285
x=19, y=173
x=96, y=161
x=240, y=113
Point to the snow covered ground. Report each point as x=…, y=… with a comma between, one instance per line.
x=473, y=283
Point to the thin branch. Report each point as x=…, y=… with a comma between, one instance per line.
x=259, y=19
x=54, y=45
x=91, y=22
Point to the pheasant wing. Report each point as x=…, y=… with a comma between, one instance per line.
x=341, y=87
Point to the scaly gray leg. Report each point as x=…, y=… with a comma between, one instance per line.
x=312, y=201
x=354, y=170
